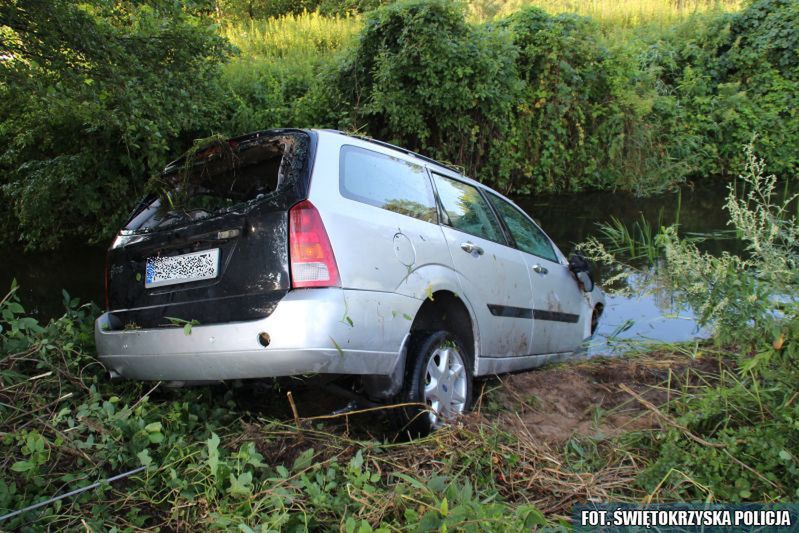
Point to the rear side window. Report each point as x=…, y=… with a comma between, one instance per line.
x=386, y=182
x=529, y=237
x=467, y=210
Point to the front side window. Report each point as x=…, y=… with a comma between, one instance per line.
x=467, y=210
x=386, y=182
x=529, y=237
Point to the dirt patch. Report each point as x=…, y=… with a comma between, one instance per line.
x=587, y=399
x=548, y=405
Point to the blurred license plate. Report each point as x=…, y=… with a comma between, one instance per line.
x=185, y=268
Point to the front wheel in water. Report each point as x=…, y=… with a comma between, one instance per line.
x=439, y=376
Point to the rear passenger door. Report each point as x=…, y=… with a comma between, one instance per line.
x=493, y=276
x=557, y=299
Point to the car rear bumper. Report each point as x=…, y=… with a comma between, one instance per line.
x=326, y=331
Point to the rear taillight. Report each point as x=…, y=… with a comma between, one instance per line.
x=312, y=261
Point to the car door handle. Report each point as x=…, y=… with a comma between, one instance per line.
x=471, y=248
x=540, y=270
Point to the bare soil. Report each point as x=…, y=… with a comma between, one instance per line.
x=548, y=405
x=542, y=409
x=587, y=398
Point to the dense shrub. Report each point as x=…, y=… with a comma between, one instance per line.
x=579, y=121
x=96, y=96
x=533, y=102
x=421, y=77
x=282, y=76
x=724, y=77
x=268, y=95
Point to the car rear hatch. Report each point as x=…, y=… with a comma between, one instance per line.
x=210, y=244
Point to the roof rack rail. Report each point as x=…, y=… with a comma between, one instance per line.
x=400, y=149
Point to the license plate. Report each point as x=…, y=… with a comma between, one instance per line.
x=185, y=268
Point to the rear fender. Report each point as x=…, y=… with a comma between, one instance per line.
x=426, y=281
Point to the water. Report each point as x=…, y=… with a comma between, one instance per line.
x=42, y=275
x=644, y=318
x=567, y=218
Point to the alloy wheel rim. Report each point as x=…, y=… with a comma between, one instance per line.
x=445, y=385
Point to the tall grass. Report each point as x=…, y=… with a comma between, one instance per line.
x=311, y=33
x=619, y=13
x=292, y=37
x=751, y=300
x=277, y=79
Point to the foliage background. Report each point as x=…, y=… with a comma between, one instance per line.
x=95, y=97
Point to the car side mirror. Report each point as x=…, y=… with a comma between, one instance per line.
x=581, y=268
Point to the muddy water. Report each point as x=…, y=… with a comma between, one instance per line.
x=567, y=218
x=42, y=275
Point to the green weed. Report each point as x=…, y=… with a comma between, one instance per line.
x=741, y=429
x=618, y=13
x=211, y=463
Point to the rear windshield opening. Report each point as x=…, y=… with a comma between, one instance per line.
x=222, y=176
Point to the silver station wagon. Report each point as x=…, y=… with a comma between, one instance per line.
x=297, y=252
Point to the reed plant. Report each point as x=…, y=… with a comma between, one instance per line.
x=746, y=423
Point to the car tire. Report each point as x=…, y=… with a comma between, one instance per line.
x=439, y=374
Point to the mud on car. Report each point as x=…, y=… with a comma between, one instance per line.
x=295, y=252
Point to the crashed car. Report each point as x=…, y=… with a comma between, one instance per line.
x=313, y=252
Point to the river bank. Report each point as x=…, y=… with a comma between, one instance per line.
x=711, y=421
x=235, y=455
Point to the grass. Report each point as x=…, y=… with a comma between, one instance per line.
x=278, y=78
x=292, y=37
x=308, y=36
x=235, y=457
x=620, y=13
x=213, y=461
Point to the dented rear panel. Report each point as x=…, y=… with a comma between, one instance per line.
x=211, y=245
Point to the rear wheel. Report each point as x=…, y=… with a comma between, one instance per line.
x=439, y=376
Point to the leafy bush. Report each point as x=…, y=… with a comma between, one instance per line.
x=533, y=102
x=579, y=122
x=421, y=77
x=94, y=99
x=281, y=78
x=724, y=77
x=100, y=96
